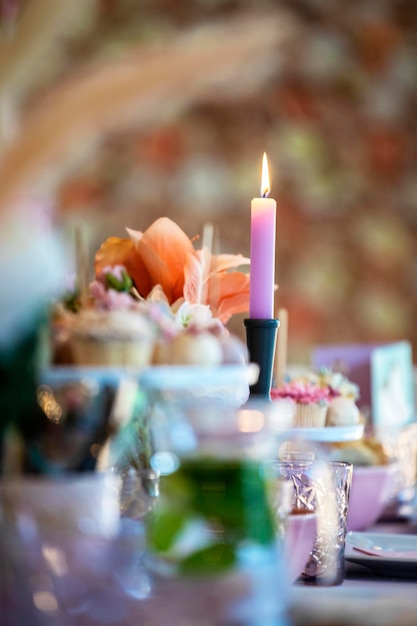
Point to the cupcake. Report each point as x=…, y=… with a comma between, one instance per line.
x=196, y=338
x=342, y=411
x=113, y=328
x=112, y=338
x=311, y=403
x=194, y=346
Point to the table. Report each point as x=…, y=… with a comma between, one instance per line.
x=363, y=599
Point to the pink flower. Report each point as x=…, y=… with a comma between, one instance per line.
x=164, y=255
x=110, y=299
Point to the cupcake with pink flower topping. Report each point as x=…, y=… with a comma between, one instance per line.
x=311, y=402
x=343, y=394
x=115, y=329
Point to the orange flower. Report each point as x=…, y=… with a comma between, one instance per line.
x=164, y=255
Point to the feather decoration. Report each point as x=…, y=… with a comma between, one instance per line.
x=139, y=90
x=30, y=53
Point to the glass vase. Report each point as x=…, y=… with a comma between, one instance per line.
x=211, y=541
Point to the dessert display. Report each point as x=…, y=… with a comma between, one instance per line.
x=321, y=399
x=155, y=301
x=375, y=473
x=141, y=335
x=116, y=329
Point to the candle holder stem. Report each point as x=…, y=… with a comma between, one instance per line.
x=261, y=338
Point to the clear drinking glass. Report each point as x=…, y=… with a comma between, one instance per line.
x=323, y=488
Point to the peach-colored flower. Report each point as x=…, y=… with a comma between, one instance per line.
x=164, y=255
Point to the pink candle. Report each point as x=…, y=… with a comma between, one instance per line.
x=262, y=251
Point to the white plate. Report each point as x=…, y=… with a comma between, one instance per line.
x=398, y=553
x=331, y=434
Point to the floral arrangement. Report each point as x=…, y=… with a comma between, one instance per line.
x=162, y=265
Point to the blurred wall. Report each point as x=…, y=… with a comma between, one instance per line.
x=338, y=120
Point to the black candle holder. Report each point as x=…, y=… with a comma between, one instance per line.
x=261, y=338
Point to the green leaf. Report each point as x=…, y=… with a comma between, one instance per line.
x=125, y=284
x=214, y=559
x=164, y=528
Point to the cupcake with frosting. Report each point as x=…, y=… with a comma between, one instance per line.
x=342, y=409
x=194, y=337
x=311, y=402
x=113, y=329
x=123, y=337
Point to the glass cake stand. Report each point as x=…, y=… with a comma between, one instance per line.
x=328, y=434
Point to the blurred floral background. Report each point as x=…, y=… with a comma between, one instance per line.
x=337, y=118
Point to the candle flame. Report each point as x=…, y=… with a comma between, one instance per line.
x=265, y=184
